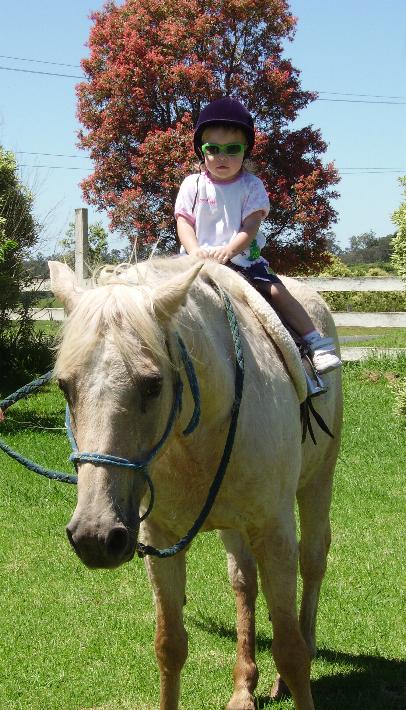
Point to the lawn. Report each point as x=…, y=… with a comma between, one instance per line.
x=75, y=639
x=382, y=337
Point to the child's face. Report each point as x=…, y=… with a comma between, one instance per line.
x=221, y=166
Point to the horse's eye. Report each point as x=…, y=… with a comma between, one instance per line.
x=151, y=387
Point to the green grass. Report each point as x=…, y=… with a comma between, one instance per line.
x=75, y=639
x=385, y=337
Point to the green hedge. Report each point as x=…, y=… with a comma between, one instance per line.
x=366, y=301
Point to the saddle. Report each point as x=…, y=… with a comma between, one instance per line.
x=314, y=383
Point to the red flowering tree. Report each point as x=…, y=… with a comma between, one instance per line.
x=153, y=65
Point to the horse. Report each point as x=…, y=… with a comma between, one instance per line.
x=117, y=364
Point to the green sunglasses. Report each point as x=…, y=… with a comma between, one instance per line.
x=226, y=148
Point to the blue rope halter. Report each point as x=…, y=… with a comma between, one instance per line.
x=77, y=457
x=142, y=466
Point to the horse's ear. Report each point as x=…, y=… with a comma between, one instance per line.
x=64, y=284
x=170, y=295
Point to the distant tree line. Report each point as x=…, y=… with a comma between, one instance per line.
x=367, y=248
x=98, y=252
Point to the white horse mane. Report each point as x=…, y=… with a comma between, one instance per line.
x=121, y=303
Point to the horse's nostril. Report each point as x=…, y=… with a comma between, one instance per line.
x=117, y=541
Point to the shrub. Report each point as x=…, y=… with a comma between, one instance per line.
x=336, y=267
x=366, y=301
x=376, y=271
x=23, y=358
x=398, y=257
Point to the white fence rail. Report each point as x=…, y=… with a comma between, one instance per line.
x=348, y=318
x=341, y=318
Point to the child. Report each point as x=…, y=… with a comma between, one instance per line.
x=219, y=213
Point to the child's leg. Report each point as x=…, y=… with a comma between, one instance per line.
x=291, y=310
x=323, y=349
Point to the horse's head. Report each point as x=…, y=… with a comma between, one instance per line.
x=114, y=368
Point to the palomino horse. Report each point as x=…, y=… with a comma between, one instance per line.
x=117, y=365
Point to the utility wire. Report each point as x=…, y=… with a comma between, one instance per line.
x=398, y=99
x=51, y=167
x=85, y=157
x=354, y=171
x=53, y=155
x=40, y=61
x=77, y=66
x=46, y=73
x=368, y=96
x=364, y=101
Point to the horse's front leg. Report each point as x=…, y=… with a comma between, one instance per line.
x=168, y=579
x=242, y=572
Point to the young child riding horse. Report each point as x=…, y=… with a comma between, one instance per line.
x=219, y=212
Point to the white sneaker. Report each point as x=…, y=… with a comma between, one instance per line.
x=324, y=356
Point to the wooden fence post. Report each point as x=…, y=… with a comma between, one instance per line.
x=81, y=245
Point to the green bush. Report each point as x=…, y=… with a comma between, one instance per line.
x=23, y=357
x=336, y=267
x=399, y=241
x=376, y=271
x=366, y=301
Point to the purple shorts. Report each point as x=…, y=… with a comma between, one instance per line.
x=257, y=274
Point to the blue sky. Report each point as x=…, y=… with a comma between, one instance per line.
x=344, y=49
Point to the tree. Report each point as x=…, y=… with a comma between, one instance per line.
x=98, y=252
x=368, y=248
x=23, y=352
x=153, y=65
x=18, y=232
x=399, y=240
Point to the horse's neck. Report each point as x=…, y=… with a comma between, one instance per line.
x=206, y=334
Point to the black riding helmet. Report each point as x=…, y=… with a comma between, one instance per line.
x=224, y=111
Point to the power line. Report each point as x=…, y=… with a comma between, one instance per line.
x=398, y=100
x=373, y=172
x=51, y=167
x=53, y=155
x=345, y=171
x=40, y=61
x=45, y=73
x=368, y=96
x=364, y=101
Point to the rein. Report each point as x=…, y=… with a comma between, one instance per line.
x=142, y=466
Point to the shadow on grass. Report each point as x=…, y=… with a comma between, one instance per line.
x=364, y=682
x=17, y=421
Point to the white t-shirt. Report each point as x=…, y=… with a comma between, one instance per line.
x=217, y=209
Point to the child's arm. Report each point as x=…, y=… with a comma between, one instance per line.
x=187, y=237
x=243, y=239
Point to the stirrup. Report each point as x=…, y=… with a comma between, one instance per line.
x=315, y=385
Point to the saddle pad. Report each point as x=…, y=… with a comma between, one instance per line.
x=270, y=321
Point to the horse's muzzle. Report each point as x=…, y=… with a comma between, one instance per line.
x=102, y=549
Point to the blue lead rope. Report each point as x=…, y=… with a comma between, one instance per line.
x=31, y=465
x=142, y=466
x=144, y=550
x=76, y=457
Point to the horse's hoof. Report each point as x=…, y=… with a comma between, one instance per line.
x=241, y=700
x=279, y=689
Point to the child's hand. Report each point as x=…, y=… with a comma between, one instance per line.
x=199, y=253
x=222, y=254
